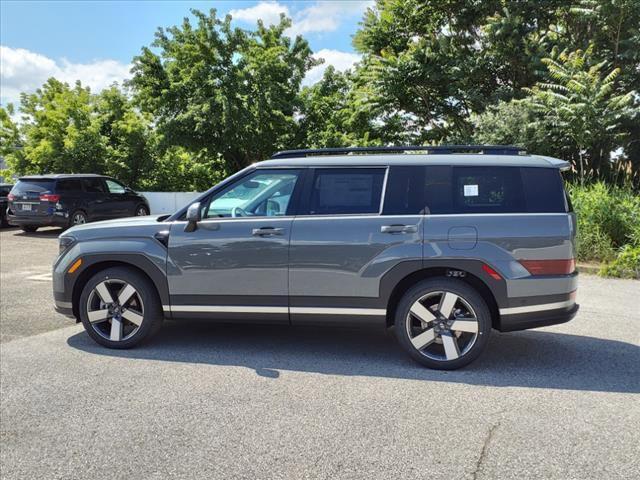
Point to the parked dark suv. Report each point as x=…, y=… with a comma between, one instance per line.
x=5, y=188
x=443, y=243
x=67, y=200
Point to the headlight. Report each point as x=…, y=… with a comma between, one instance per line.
x=65, y=242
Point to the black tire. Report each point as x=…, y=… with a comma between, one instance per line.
x=141, y=210
x=431, y=288
x=28, y=228
x=78, y=217
x=152, y=315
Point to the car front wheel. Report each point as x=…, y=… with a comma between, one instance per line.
x=141, y=211
x=120, y=308
x=443, y=323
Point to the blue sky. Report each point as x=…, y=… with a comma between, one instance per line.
x=95, y=41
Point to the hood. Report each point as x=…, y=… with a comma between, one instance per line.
x=121, y=227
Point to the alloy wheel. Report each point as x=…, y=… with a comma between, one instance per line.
x=115, y=310
x=442, y=326
x=79, y=218
x=141, y=212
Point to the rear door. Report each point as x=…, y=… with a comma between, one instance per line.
x=348, y=238
x=97, y=197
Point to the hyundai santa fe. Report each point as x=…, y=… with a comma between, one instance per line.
x=442, y=243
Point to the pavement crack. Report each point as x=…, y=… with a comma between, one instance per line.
x=483, y=452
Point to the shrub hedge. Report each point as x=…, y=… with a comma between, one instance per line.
x=608, y=227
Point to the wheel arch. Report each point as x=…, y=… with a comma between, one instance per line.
x=93, y=265
x=468, y=273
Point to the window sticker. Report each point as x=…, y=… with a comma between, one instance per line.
x=471, y=190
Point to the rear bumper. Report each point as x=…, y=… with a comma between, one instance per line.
x=37, y=220
x=544, y=318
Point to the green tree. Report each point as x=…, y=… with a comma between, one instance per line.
x=59, y=132
x=218, y=91
x=581, y=108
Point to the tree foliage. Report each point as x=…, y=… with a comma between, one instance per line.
x=222, y=92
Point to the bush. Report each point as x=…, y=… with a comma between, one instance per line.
x=626, y=265
x=608, y=219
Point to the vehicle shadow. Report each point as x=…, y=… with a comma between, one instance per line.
x=535, y=359
x=42, y=233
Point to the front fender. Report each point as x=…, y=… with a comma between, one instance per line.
x=145, y=254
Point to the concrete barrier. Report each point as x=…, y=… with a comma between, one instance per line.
x=168, y=202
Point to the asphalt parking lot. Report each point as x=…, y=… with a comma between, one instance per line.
x=213, y=401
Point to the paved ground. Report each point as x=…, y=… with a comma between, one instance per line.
x=207, y=401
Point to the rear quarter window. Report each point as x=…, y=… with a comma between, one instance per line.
x=543, y=190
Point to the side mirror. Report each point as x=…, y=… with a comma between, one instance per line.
x=193, y=217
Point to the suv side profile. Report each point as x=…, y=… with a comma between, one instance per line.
x=442, y=243
x=66, y=200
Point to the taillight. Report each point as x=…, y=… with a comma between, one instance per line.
x=492, y=273
x=49, y=197
x=11, y=197
x=549, y=267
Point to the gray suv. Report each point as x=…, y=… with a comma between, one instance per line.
x=442, y=243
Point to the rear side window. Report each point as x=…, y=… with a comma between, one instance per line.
x=32, y=186
x=72, y=185
x=405, y=191
x=93, y=185
x=346, y=191
x=461, y=190
x=488, y=190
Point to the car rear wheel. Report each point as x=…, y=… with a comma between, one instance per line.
x=29, y=228
x=141, y=211
x=120, y=308
x=77, y=218
x=443, y=323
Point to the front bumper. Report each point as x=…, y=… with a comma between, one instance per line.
x=38, y=220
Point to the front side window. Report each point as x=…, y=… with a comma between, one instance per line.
x=259, y=194
x=114, y=187
x=346, y=191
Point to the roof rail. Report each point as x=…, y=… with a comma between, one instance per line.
x=439, y=149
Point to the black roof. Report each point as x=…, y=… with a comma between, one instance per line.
x=57, y=176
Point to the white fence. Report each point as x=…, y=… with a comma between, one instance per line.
x=168, y=202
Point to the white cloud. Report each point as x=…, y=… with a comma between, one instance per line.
x=321, y=16
x=268, y=12
x=22, y=70
x=340, y=60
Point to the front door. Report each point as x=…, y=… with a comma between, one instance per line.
x=121, y=203
x=235, y=264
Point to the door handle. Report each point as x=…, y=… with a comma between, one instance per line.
x=399, y=228
x=266, y=231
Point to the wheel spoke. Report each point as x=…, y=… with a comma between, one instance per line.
x=464, y=325
x=421, y=312
x=103, y=292
x=125, y=294
x=447, y=303
x=97, y=316
x=133, y=317
x=423, y=339
x=450, y=344
x=116, y=330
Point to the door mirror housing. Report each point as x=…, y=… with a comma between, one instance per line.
x=193, y=217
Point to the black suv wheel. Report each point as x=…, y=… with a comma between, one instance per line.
x=119, y=308
x=443, y=323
